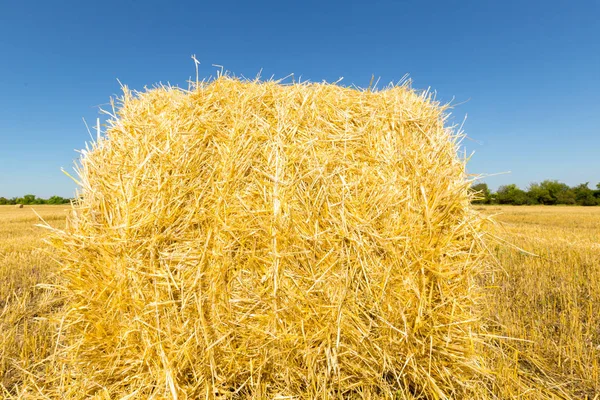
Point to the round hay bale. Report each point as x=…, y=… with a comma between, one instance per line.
x=19, y=206
x=255, y=239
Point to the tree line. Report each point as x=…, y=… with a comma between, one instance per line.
x=32, y=199
x=548, y=192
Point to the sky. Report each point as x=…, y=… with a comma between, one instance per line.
x=524, y=74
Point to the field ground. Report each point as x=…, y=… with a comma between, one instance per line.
x=546, y=292
x=543, y=294
x=25, y=336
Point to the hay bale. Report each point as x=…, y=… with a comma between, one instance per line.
x=255, y=239
x=19, y=206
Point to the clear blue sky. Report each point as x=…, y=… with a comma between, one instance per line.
x=527, y=73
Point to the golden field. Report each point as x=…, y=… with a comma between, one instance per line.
x=25, y=334
x=542, y=302
x=545, y=292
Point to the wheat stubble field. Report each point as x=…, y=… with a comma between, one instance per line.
x=543, y=295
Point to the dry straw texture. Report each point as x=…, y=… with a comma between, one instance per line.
x=260, y=240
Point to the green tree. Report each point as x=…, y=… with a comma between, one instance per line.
x=584, y=195
x=3, y=201
x=511, y=194
x=28, y=199
x=566, y=196
x=56, y=200
x=551, y=192
x=482, y=194
x=538, y=194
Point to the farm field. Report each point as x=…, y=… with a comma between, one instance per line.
x=541, y=292
x=26, y=336
x=547, y=294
